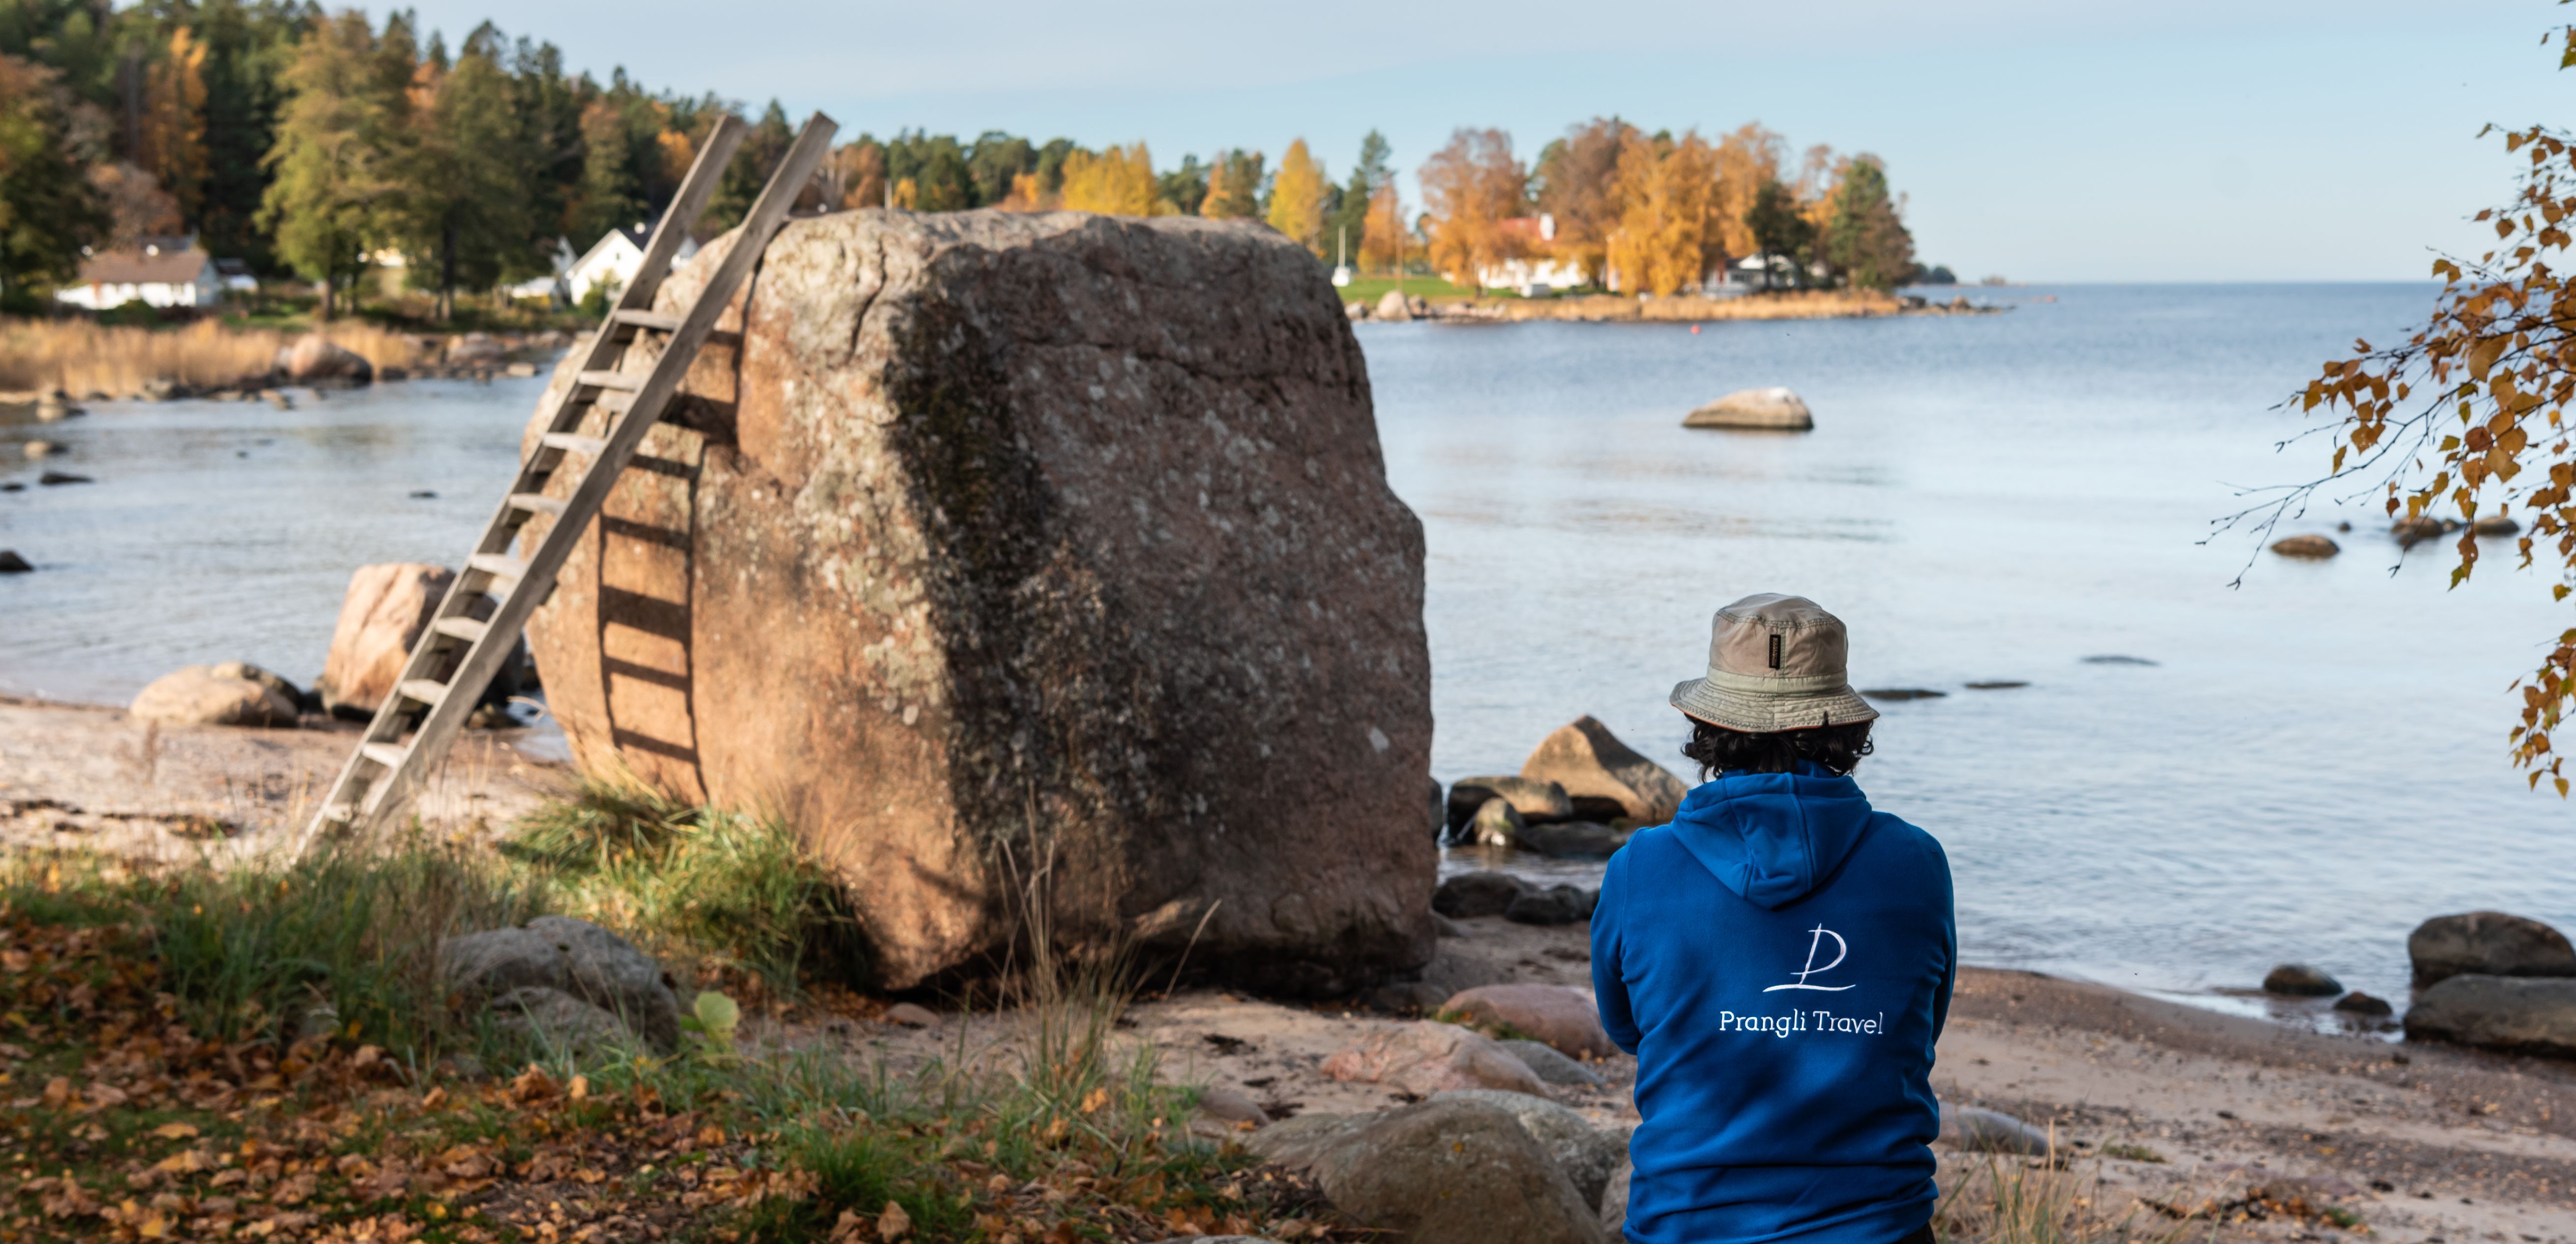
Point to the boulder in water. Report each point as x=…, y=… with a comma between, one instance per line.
x=2309, y=547
x=11, y=563
x=382, y=615
x=1602, y=776
x=1537, y=802
x=2490, y=943
x=1773, y=409
x=315, y=360
x=2496, y=525
x=2301, y=980
x=1393, y=306
x=994, y=526
x=1496, y=824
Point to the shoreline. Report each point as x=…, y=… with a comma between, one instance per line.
x=1616, y=309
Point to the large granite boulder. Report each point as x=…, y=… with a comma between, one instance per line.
x=1771, y=410
x=2532, y=1015
x=1456, y=1170
x=1604, y=779
x=381, y=617
x=1001, y=538
x=2490, y=943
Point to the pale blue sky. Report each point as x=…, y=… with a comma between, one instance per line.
x=2187, y=140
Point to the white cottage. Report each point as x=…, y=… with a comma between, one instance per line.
x=1542, y=271
x=616, y=258
x=161, y=272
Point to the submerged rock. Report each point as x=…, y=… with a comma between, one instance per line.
x=2524, y=1014
x=1602, y=775
x=2301, y=980
x=994, y=525
x=1773, y=409
x=2490, y=943
x=2313, y=547
x=201, y=695
x=1559, y=1015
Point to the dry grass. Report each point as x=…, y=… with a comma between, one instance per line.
x=2011, y=1200
x=80, y=357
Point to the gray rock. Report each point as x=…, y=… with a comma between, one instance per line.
x=1585, y=1153
x=1407, y=998
x=557, y=1020
x=1614, y=1202
x=2489, y=943
x=2359, y=1003
x=1973, y=1129
x=2522, y=1014
x=43, y=449
x=2312, y=547
x=197, y=695
x=1228, y=1104
x=1573, y=840
x=1447, y=1171
x=245, y=670
x=1551, y=1066
x=1558, y=904
x=1446, y=927
x=1393, y=306
x=2496, y=525
x=314, y=360
x=1497, y=824
x=1773, y=409
x=572, y=957
x=1536, y=801
x=2301, y=980
x=1470, y=895
x=54, y=478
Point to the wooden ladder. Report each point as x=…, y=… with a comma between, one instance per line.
x=458, y=652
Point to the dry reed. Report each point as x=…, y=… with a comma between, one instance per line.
x=80, y=357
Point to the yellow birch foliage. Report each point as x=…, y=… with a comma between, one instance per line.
x=1747, y=160
x=1471, y=187
x=1297, y=198
x=1214, y=203
x=2470, y=414
x=1667, y=197
x=1116, y=182
x=1382, y=242
x=174, y=121
x=1027, y=194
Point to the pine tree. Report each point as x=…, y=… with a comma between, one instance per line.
x=1863, y=238
x=462, y=212
x=334, y=136
x=1297, y=198
x=1346, y=226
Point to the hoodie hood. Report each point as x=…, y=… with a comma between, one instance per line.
x=1773, y=837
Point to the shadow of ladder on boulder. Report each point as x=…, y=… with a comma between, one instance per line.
x=457, y=653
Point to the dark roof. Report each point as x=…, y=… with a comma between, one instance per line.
x=140, y=267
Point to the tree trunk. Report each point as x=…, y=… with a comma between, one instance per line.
x=447, y=270
x=329, y=285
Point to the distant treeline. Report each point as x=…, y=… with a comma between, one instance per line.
x=309, y=142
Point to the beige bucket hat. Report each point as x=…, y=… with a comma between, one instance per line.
x=1774, y=663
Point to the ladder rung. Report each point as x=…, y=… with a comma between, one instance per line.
x=573, y=443
x=340, y=812
x=654, y=320
x=389, y=755
x=466, y=629
x=426, y=690
x=498, y=565
x=611, y=380
x=536, y=503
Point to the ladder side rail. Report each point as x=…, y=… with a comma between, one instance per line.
x=483, y=658
x=603, y=351
x=685, y=208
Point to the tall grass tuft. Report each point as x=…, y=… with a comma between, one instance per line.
x=79, y=357
x=251, y=952
x=2007, y=1200
x=726, y=889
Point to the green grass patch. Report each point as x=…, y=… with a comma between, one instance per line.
x=1369, y=289
x=2132, y=1153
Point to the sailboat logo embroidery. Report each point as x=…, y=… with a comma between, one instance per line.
x=1816, y=942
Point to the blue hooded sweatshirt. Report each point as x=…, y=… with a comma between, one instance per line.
x=1779, y=959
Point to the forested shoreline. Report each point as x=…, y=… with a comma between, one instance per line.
x=318, y=145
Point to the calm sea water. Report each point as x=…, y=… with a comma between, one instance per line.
x=2314, y=763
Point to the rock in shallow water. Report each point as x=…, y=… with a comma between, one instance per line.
x=2310, y=547
x=1602, y=776
x=2535, y=1015
x=1773, y=409
x=2490, y=943
x=997, y=521
x=1535, y=801
x=1496, y=824
x=2301, y=980
x=1573, y=840
x=2359, y=1003
x=11, y=563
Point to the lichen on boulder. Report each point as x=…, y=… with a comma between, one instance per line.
x=978, y=541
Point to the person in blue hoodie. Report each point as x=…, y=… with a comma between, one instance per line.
x=1779, y=959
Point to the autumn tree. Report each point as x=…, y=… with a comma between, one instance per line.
x=1864, y=239
x=1470, y=187
x=173, y=128
x=2468, y=416
x=136, y=205
x=855, y=173
x=1234, y=185
x=48, y=210
x=1383, y=244
x=1297, y=198
x=1117, y=182
x=1577, y=182
x=1748, y=159
x=1667, y=191
x=1346, y=226
x=333, y=145
x=460, y=207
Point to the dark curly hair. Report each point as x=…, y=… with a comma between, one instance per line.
x=1837, y=749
